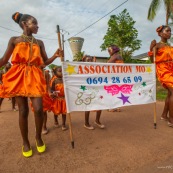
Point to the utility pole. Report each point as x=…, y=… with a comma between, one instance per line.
x=63, y=32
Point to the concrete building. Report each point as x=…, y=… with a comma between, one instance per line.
x=143, y=57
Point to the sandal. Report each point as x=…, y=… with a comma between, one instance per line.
x=162, y=118
x=15, y=110
x=170, y=124
x=101, y=126
x=89, y=127
x=26, y=153
x=45, y=131
x=64, y=128
x=41, y=149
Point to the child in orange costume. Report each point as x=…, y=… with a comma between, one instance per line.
x=59, y=104
x=25, y=79
x=47, y=101
x=98, y=112
x=56, y=123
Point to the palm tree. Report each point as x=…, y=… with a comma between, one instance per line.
x=78, y=56
x=154, y=7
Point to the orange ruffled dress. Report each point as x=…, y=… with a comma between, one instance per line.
x=59, y=104
x=47, y=100
x=25, y=78
x=164, y=66
x=47, y=103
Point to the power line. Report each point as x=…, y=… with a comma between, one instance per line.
x=100, y=18
x=9, y=29
x=20, y=33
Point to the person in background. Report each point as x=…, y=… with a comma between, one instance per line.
x=13, y=100
x=115, y=57
x=56, y=123
x=98, y=112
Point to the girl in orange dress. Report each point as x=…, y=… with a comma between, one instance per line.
x=59, y=104
x=47, y=102
x=98, y=112
x=25, y=78
x=164, y=68
x=56, y=123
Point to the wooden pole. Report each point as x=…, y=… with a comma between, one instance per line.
x=69, y=116
x=70, y=128
x=155, y=116
x=59, y=41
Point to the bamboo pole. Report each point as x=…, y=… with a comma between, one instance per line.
x=155, y=115
x=68, y=114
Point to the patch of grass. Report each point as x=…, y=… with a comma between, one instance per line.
x=161, y=92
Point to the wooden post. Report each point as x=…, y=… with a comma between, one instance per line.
x=70, y=128
x=59, y=41
x=155, y=115
x=69, y=116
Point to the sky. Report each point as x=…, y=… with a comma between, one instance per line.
x=73, y=16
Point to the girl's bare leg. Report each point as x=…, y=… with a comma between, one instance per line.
x=38, y=112
x=23, y=121
x=166, y=107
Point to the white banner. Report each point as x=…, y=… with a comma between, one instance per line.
x=98, y=86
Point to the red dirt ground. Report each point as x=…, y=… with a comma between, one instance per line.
x=128, y=144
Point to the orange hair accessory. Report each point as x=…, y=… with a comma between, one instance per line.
x=16, y=15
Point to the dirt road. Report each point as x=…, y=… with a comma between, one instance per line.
x=128, y=144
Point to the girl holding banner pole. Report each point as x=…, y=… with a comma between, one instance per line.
x=164, y=115
x=164, y=68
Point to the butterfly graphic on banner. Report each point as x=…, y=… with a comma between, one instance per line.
x=115, y=89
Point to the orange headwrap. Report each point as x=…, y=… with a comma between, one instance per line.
x=16, y=15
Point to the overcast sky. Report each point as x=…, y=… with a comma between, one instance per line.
x=73, y=16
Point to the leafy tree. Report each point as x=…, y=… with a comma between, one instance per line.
x=78, y=56
x=2, y=68
x=51, y=66
x=154, y=6
x=122, y=33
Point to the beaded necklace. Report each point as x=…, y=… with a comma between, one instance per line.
x=29, y=39
x=169, y=52
x=165, y=43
